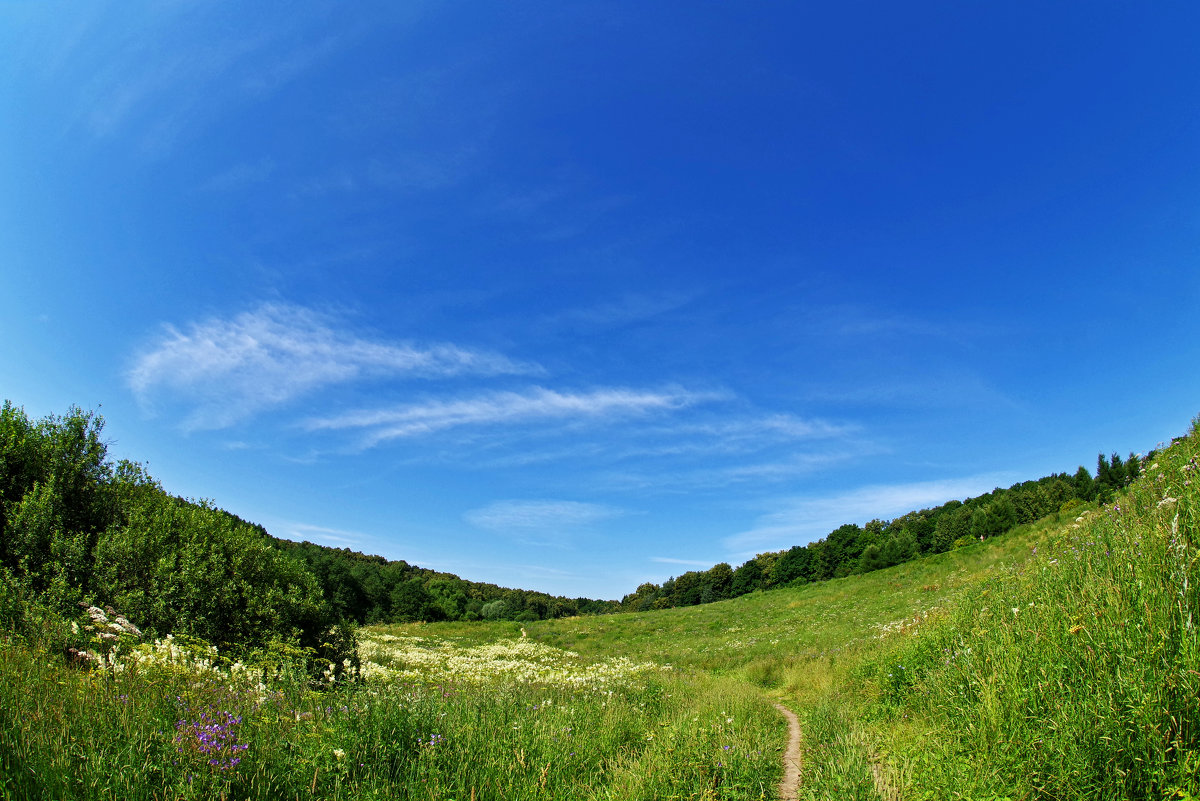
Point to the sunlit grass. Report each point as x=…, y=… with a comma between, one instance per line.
x=433, y=722
x=1057, y=661
x=1078, y=675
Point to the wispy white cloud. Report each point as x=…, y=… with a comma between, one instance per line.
x=541, y=571
x=540, y=515
x=798, y=464
x=799, y=521
x=754, y=431
x=229, y=369
x=542, y=523
x=853, y=320
x=414, y=171
x=429, y=169
x=158, y=74
x=158, y=84
x=689, y=442
x=509, y=407
x=734, y=470
x=289, y=65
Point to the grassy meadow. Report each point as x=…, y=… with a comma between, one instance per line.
x=420, y=718
x=1057, y=661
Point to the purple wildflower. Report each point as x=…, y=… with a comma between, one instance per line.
x=213, y=738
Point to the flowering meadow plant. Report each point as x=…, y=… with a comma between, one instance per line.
x=409, y=658
x=211, y=737
x=420, y=717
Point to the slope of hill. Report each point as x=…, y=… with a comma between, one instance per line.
x=1057, y=660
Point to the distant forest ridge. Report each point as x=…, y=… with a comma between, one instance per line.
x=852, y=549
x=80, y=529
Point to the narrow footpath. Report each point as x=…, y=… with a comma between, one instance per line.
x=789, y=788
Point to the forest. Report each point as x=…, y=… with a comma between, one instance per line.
x=80, y=529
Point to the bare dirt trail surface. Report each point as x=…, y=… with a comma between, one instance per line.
x=790, y=786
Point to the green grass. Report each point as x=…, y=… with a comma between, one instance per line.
x=800, y=645
x=66, y=733
x=772, y=628
x=1058, y=661
x=1077, y=675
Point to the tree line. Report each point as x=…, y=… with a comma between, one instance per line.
x=851, y=549
x=371, y=589
x=79, y=529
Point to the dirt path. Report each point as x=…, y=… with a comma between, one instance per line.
x=790, y=786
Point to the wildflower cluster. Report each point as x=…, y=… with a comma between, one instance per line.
x=908, y=625
x=168, y=651
x=427, y=659
x=107, y=630
x=212, y=737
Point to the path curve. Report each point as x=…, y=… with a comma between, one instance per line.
x=789, y=788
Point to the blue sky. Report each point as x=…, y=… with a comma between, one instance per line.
x=571, y=296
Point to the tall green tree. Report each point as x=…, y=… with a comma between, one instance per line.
x=747, y=578
x=718, y=581
x=795, y=565
x=1084, y=485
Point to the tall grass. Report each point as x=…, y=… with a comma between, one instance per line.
x=151, y=732
x=1075, y=676
x=1057, y=661
x=804, y=645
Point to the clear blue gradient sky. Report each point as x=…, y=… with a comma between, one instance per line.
x=571, y=296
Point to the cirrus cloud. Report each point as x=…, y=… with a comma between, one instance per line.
x=547, y=523
x=228, y=369
x=539, y=515
x=508, y=407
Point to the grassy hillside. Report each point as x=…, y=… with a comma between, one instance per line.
x=755, y=633
x=1058, y=660
x=1075, y=675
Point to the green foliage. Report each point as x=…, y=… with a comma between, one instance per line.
x=188, y=568
x=77, y=529
x=371, y=589
x=53, y=477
